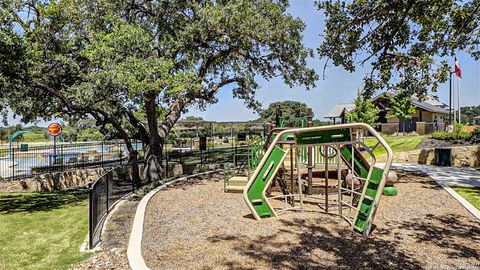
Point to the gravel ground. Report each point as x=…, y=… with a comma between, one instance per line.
x=114, y=240
x=196, y=226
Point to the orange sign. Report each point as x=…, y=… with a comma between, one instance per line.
x=54, y=129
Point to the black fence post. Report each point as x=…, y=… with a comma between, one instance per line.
x=13, y=161
x=166, y=160
x=62, y=159
x=108, y=190
x=102, y=152
x=235, y=160
x=134, y=176
x=90, y=216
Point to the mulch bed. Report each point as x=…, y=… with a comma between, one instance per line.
x=195, y=225
x=114, y=240
x=432, y=143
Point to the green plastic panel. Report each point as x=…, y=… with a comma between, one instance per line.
x=362, y=219
x=360, y=167
x=371, y=190
x=264, y=177
x=324, y=136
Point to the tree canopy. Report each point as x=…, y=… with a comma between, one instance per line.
x=469, y=113
x=116, y=60
x=289, y=110
x=365, y=111
x=402, y=108
x=407, y=43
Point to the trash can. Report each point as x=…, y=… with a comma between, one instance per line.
x=23, y=147
x=443, y=156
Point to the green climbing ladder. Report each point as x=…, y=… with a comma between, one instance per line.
x=361, y=168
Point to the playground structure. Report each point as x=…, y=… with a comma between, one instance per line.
x=235, y=176
x=339, y=157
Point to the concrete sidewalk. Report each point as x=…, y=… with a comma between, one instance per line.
x=445, y=176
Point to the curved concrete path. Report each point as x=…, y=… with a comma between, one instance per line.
x=134, y=250
x=446, y=177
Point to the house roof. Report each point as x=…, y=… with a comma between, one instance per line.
x=428, y=107
x=428, y=99
x=339, y=109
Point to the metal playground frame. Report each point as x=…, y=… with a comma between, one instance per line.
x=358, y=191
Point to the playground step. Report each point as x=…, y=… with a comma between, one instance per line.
x=234, y=188
x=238, y=181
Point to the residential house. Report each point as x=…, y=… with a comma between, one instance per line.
x=430, y=115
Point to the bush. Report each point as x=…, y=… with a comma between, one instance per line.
x=475, y=137
x=444, y=136
x=459, y=133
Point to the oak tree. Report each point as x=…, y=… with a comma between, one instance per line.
x=111, y=59
x=406, y=43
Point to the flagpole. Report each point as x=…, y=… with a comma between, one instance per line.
x=450, y=116
x=458, y=103
x=454, y=101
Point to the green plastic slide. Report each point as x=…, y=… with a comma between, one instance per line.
x=262, y=180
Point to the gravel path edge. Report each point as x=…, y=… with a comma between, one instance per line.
x=134, y=250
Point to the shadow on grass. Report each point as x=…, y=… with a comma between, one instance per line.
x=33, y=202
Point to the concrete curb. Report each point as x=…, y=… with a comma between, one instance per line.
x=470, y=208
x=134, y=250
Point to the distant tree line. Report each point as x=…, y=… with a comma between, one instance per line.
x=469, y=113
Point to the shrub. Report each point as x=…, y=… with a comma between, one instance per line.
x=475, y=138
x=458, y=134
x=444, y=136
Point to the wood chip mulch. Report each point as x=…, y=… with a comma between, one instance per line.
x=195, y=225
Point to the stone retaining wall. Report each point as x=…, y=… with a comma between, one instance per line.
x=466, y=156
x=53, y=181
x=81, y=178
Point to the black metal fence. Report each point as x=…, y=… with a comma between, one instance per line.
x=118, y=182
x=24, y=160
x=104, y=194
x=201, y=160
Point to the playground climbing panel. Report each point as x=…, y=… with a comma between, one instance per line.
x=262, y=180
x=324, y=136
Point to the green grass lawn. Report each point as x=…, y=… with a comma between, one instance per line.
x=397, y=143
x=471, y=194
x=42, y=230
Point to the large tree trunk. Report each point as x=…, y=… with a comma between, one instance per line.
x=133, y=161
x=153, y=170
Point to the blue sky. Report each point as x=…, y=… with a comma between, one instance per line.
x=339, y=86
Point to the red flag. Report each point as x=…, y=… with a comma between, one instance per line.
x=458, y=71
